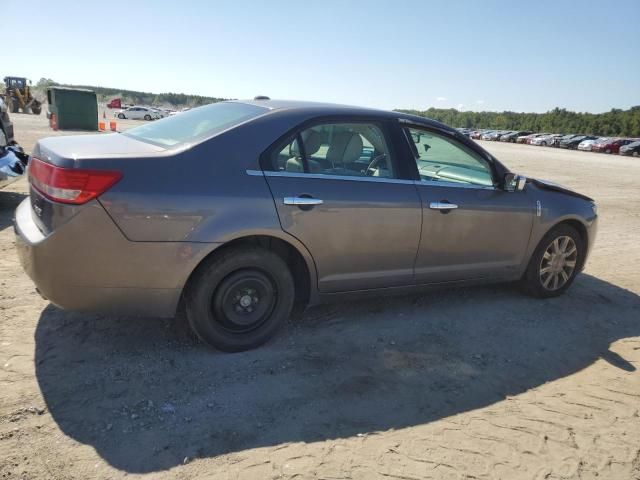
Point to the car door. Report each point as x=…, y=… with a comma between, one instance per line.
x=337, y=189
x=471, y=228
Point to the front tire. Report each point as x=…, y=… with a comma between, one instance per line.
x=121, y=116
x=147, y=117
x=555, y=263
x=239, y=299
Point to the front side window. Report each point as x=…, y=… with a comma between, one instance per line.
x=343, y=149
x=440, y=159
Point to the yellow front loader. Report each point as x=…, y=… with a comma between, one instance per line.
x=18, y=97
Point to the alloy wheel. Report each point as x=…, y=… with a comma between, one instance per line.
x=558, y=263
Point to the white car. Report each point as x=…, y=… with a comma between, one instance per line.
x=585, y=145
x=138, y=113
x=544, y=140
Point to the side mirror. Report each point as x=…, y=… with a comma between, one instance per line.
x=514, y=182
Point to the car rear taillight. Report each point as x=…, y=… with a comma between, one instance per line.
x=70, y=185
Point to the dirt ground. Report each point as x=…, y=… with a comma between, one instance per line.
x=476, y=383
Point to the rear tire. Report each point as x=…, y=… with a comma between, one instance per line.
x=549, y=262
x=240, y=298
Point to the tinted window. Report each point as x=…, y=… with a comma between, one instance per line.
x=196, y=124
x=441, y=159
x=345, y=149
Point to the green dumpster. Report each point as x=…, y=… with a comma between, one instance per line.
x=72, y=108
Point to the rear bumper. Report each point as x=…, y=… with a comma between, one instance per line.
x=88, y=265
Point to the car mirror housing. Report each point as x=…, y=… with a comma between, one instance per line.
x=514, y=182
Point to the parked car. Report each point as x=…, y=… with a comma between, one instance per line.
x=632, y=148
x=573, y=142
x=513, y=136
x=527, y=138
x=544, y=140
x=477, y=134
x=161, y=112
x=493, y=135
x=279, y=203
x=464, y=131
x=487, y=134
x=139, y=113
x=585, y=145
x=502, y=134
x=610, y=146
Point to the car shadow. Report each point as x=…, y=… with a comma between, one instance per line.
x=145, y=394
x=9, y=201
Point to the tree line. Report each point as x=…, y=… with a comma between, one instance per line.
x=136, y=97
x=617, y=122
x=623, y=123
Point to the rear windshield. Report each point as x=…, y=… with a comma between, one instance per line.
x=195, y=124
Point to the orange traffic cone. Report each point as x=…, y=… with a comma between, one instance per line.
x=112, y=126
x=101, y=126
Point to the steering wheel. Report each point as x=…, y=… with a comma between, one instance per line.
x=371, y=169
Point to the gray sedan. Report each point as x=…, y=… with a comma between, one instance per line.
x=247, y=209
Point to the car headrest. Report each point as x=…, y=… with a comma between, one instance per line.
x=346, y=147
x=312, y=141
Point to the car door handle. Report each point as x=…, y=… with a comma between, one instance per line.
x=302, y=201
x=442, y=206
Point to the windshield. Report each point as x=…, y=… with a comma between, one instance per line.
x=195, y=124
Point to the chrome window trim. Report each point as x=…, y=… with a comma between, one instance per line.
x=455, y=185
x=320, y=176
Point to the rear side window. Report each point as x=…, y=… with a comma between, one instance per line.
x=342, y=149
x=196, y=124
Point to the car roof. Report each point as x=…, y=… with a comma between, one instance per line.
x=327, y=109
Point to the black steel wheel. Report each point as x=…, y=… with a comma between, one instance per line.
x=239, y=298
x=244, y=300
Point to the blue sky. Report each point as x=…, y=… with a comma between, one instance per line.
x=489, y=55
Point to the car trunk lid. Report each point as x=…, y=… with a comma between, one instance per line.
x=67, y=173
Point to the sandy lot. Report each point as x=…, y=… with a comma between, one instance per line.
x=456, y=384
